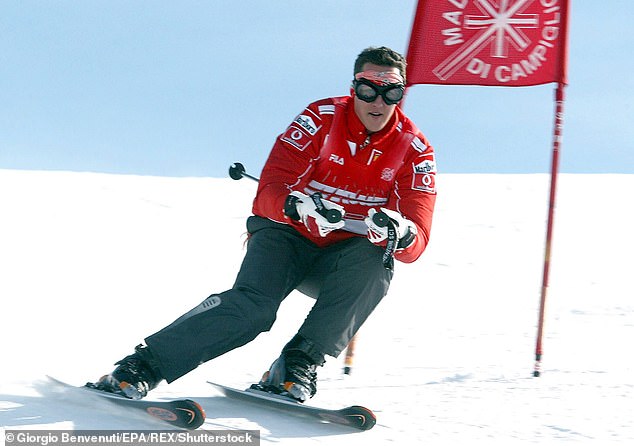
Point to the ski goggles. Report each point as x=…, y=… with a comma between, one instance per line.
x=368, y=91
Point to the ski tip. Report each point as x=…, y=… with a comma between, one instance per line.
x=185, y=414
x=197, y=416
x=360, y=417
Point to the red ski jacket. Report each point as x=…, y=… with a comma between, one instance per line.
x=327, y=149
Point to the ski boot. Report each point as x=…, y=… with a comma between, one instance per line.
x=134, y=377
x=294, y=373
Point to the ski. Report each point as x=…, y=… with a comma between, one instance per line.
x=357, y=417
x=181, y=413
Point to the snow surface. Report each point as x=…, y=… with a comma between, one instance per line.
x=90, y=264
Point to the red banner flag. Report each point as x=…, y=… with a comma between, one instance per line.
x=512, y=43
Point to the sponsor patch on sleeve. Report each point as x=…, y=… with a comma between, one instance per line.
x=424, y=178
x=296, y=138
x=299, y=133
x=307, y=123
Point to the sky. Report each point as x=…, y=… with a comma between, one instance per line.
x=186, y=88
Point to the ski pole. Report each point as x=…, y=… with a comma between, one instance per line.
x=381, y=220
x=349, y=359
x=237, y=172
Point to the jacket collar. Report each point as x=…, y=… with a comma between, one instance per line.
x=357, y=132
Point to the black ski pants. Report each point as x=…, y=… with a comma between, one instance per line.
x=347, y=279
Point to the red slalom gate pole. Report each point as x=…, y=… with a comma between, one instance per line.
x=557, y=137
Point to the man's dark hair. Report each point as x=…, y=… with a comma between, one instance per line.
x=380, y=56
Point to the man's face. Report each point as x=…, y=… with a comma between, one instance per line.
x=374, y=115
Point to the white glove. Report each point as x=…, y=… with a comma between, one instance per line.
x=405, y=229
x=318, y=215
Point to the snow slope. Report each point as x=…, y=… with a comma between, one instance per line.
x=90, y=264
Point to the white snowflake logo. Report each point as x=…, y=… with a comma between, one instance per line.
x=500, y=24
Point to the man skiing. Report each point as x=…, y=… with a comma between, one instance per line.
x=341, y=162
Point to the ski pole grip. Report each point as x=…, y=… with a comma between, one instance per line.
x=381, y=219
x=290, y=207
x=332, y=215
